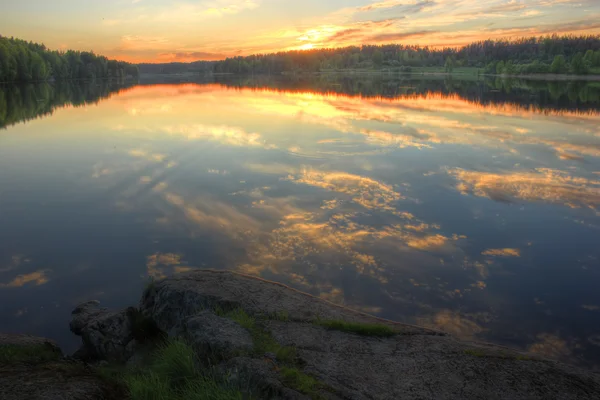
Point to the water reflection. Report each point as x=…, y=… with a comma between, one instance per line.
x=30, y=101
x=470, y=207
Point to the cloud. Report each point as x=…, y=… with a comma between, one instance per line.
x=552, y=346
x=37, y=278
x=543, y=185
x=502, y=252
x=390, y=37
x=365, y=191
x=224, y=134
x=452, y=322
x=190, y=56
x=161, y=265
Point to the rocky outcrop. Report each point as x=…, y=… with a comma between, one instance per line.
x=172, y=301
x=28, y=341
x=212, y=335
x=106, y=335
x=33, y=368
x=412, y=362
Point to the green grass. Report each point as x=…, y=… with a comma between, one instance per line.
x=176, y=362
x=175, y=373
x=298, y=380
x=172, y=375
x=10, y=354
x=358, y=328
x=238, y=315
x=263, y=341
x=204, y=388
x=475, y=353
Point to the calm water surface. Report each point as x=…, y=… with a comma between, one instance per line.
x=469, y=207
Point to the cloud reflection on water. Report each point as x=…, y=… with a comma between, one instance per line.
x=355, y=199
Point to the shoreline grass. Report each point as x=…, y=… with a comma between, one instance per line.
x=363, y=329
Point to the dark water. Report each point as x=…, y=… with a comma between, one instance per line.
x=468, y=206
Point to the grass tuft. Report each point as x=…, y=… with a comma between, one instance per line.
x=298, y=380
x=175, y=361
x=475, y=353
x=149, y=386
x=28, y=354
x=205, y=388
x=358, y=328
x=172, y=375
x=240, y=316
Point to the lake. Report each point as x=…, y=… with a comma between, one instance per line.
x=470, y=206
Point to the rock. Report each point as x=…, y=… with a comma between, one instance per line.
x=29, y=341
x=55, y=380
x=106, y=335
x=83, y=314
x=43, y=374
x=407, y=367
x=261, y=375
x=172, y=301
x=414, y=363
x=211, y=335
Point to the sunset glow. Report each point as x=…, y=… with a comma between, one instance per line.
x=188, y=30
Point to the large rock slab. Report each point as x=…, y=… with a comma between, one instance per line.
x=19, y=340
x=212, y=335
x=172, y=301
x=426, y=366
x=55, y=381
x=36, y=370
x=415, y=363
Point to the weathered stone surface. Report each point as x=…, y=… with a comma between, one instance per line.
x=214, y=335
x=416, y=363
x=84, y=313
x=46, y=378
x=55, y=381
x=7, y=339
x=426, y=366
x=260, y=375
x=172, y=301
x=106, y=335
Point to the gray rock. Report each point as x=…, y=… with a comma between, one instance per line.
x=55, y=381
x=84, y=313
x=407, y=367
x=172, y=301
x=106, y=335
x=416, y=363
x=260, y=376
x=19, y=340
x=212, y=335
x=49, y=378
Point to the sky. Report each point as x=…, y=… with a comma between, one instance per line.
x=190, y=30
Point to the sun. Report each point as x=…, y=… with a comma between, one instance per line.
x=307, y=46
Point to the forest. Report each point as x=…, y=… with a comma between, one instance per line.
x=536, y=55
x=22, y=61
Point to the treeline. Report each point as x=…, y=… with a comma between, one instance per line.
x=534, y=94
x=552, y=54
x=29, y=101
x=22, y=61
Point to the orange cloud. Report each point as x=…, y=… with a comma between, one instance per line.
x=502, y=252
x=38, y=278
